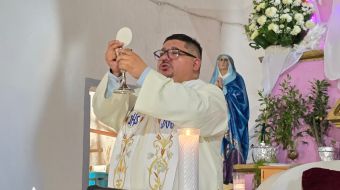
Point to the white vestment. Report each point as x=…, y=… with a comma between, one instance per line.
x=145, y=154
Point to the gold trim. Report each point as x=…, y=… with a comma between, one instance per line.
x=334, y=114
x=158, y=169
x=312, y=55
x=244, y=167
x=119, y=172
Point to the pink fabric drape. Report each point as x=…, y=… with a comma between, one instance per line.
x=324, y=9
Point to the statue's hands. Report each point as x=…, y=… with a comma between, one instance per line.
x=219, y=82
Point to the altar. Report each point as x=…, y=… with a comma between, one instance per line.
x=293, y=178
x=265, y=171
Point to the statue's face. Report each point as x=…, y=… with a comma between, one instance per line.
x=223, y=64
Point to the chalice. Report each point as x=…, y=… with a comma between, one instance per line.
x=124, y=35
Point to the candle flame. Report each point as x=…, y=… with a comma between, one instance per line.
x=188, y=132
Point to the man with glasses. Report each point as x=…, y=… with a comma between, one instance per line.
x=146, y=152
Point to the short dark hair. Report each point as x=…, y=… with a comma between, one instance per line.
x=188, y=40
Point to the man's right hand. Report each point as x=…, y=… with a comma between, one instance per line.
x=111, y=56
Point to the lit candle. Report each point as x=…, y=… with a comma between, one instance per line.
x=188, y=158
x=239, y=182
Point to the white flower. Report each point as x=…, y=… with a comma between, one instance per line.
x=274, y=17
x=271, y=11
x=309, y=24
x=286, y=10
x=273, y=27
x=298, y=17
x=261, y=20
x=277, y=2
x=287, y=2
x=260, y=6
x=254, y=35
x=297, y=3
x=296, y=30
x=286, y=17
x=252, y=27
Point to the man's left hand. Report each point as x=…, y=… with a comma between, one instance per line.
x=131, y=62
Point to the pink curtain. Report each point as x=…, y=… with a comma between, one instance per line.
x=324, y=8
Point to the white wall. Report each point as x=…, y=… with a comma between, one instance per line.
x=47, y=49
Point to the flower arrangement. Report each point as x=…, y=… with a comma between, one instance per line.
x=279, y=22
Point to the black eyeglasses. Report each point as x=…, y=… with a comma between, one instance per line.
x=171, y=53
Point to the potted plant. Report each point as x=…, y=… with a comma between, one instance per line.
x=264, y=121
x=316, y=114
x=264, y=152
x=290, y=108
x=280, y=116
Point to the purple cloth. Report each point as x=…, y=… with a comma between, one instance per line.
x=249, y=179
x=231, y=157
x=320, y=178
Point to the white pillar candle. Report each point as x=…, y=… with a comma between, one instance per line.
x=239, y=182
x=188, y=158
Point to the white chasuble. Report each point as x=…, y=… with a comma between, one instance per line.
x=145, y=155
x=151, y=166
x=162, y=157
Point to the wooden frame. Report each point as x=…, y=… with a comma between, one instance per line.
x=334, y=114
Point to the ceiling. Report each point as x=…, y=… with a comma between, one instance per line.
x=228, y=11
